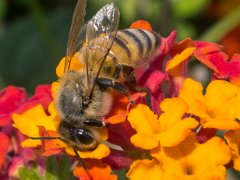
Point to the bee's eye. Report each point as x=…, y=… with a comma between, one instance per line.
x=84, y=136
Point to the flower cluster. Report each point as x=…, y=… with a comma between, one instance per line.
x=171, y=132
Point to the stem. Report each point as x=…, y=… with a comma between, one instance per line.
x=222, y=27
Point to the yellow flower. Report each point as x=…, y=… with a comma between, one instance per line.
x=168, y=130
x=75, y=65
x=233, y=140
x=145, y=169
x=218, y=108
x=188, y=160
x=28, y=124
x=175, y=62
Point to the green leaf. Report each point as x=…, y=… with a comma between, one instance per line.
x=188, y=8
x=121, y=174
x=3, y=8
x=51, y=169
x=58, y=169
x=64, y=170
x=29, y=174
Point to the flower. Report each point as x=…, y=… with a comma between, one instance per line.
x=169, y=133
x=218, y=108
x=141, y=24
x=118, y=159
x=11, y=98
x=74, y=65
x=152, y=76
x=211, y=55
x=145, y=169
x=96, y=169
x=4, y=146
x=14, y=100
x=16, y=163
x=156, y=131
x=186, y=160
x=29, y=122
x=233, y=140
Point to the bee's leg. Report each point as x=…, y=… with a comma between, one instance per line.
x=121, y=88
x=127, y=75
x=81, y=162
x=94, y=122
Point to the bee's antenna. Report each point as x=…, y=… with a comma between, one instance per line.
x=45, y=138
x=81, y=162
x=74, y=149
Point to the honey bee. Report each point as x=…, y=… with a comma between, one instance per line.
x=109, y=56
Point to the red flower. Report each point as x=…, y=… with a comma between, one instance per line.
x=4, y=146
x=212, y=55
x=152, y=76
x=14, y=100
x=11, y=98
x=42, y=96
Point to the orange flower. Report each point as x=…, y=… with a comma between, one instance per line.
x=153, y=130
x=183, y=51
x=141, y=24
x=177, y=66
x=96, y=169
x=218, y=108
x=75, y=65
x=233, y=140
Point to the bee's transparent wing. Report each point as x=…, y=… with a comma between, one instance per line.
x=100, y=34
x=76, y=33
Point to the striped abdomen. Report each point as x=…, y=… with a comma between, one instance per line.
x=130, y=47
x=134, y=46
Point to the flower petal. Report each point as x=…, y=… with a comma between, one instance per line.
x=150, y=143
x=28, y=122
x=190, y=159
x=145, y=169
x=96, y=169
x=191, y=93
x=118, y=160
x=75, y=65
x=233, y=140
x=11, y=98
x=172, y=122
x=179, y=58
x=144, y=121
x=141, y=24
x=218, y=108
x=4, y=146
x=100, y=152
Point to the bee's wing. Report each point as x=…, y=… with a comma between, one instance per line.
x=100, y=34
x=75, y=37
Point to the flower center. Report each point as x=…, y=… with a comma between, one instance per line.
x=188, y=171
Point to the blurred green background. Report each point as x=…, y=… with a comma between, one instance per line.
x=33, y=33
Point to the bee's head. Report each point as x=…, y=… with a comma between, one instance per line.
x=74, y=101
x=72, y=97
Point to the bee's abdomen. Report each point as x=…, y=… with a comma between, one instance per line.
x=133, y=46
